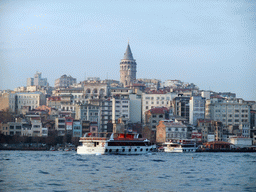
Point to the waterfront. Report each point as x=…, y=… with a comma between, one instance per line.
x=68, y=171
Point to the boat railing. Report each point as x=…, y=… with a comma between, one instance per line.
x=110, y=135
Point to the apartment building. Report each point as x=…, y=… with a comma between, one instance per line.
x=64, y=81
x=210, y=128
x=77, y=128
x=157, y=99
x=60, y=126
x=153, y=116
x=32, y=100
x=37, y=80
x=196, y=109
x=229, y=112
x=168, y=130
x=181, y=106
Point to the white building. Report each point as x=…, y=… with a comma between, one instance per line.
x=60, y=126
x=196, y=109
x=37, y=80
x=64, y=81
x=36, y=126
x=135, y=108
x=240, y=141
x=245, y=129
x=229, y=112
x=32, y=100
x=152, y=100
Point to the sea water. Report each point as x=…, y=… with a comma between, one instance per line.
x=68, y=171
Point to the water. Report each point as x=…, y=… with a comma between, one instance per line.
x=68, y=171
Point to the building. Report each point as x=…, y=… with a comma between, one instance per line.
x=172, y=83
x=4, y=129
x=5, y=102
x=228, y=111
x=196, y=109
x=218, y=145
x=152, y=84
x=135, y=108
x=64, y=81
x=54, y=102
x=96, y=90
x=12, y=128
x=240, y=141
x=36, y=127
x=94, y=128
x=181, y=106
x=211, y=130
x=60, y=126
x=77, y=128
x=31, y=99
x=69, y=125
x=113, y=109
x=153, y=116
x=128, y=68
x=37, y=80
x=156, y=99
x=170, y=130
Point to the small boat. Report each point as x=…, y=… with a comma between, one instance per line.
x=118, y=144
x=181, y=146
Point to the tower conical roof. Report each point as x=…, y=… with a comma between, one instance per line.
x=128, y=53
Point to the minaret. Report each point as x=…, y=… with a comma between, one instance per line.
x=127, y=68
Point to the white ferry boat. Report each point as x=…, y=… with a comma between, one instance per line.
x=119, y=144
x=182, y=146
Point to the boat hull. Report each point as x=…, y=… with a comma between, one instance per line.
x=116, y=150
x=180, y=150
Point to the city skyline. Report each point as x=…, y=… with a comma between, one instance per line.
x=209, y=44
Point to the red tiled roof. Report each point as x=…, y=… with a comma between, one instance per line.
x=159, y=110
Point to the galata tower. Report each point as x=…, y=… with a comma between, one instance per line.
x=127, y=68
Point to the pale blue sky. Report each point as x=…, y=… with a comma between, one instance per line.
x=209, y=43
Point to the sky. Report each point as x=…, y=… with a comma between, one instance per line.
x=209, y=43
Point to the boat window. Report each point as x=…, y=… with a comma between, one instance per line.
x=151, y=149
x=106, y=150
x=110, y=150
x=147, y=149
x=123, y=150
x=135, y=149
x=129, y=150
x=116, y=150
x=141, y=149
